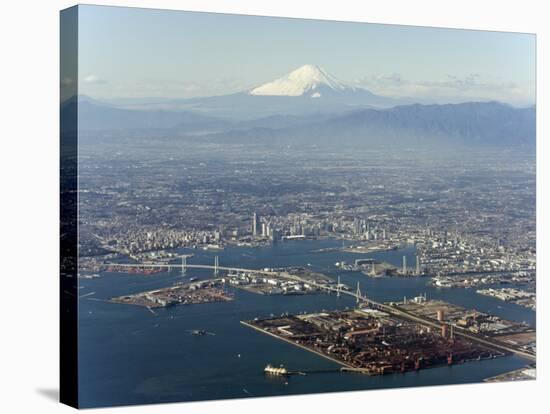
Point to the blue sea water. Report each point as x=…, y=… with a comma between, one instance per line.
x=128, y=355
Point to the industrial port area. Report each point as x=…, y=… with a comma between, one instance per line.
x=371, y=338
x=471, y=320
x=288, y=281
x=374, y=342
x=204, y=291
x=373, y=268
x=284, y=281
x=378, y=339
x=520, y=297
x=374, y=338
x=519, y=336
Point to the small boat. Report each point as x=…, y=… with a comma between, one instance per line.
x=200, y=332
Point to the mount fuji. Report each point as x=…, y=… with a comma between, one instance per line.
x=307, y=80
x=306, y=90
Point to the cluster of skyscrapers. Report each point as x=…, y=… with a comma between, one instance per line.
x=264, y=229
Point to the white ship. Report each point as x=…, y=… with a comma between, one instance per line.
x=280, y=371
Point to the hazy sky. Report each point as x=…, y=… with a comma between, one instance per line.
x=134, y=53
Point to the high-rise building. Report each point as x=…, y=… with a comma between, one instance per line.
x=255, y=222
x=357, y=225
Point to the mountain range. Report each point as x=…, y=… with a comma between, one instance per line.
x=309, y=105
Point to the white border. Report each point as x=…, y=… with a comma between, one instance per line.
x=29, y=203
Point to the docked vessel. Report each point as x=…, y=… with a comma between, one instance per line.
x=278, y=371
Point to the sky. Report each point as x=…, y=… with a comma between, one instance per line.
x=147, y=53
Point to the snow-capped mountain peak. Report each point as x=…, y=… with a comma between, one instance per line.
x=307, y=80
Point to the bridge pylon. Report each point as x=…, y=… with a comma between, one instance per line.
x=216, y=264
x=338, y=288
x=358, y=294
x=183, y=265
